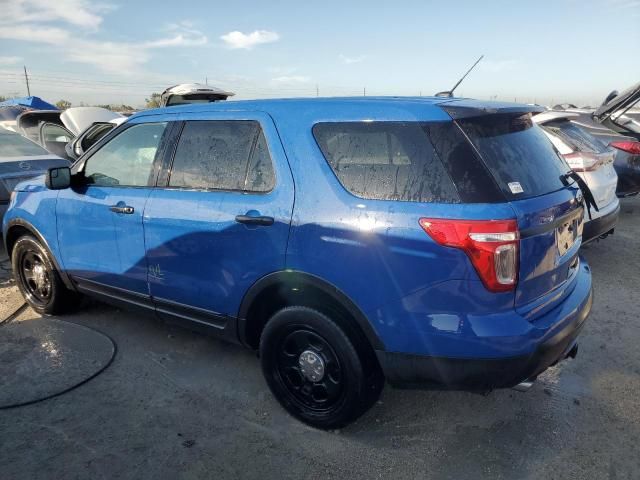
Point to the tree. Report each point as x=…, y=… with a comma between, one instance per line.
x=63, y=104
x=3, y=98
x=154, y=101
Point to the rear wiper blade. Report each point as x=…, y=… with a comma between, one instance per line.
x=586, y=191
x=565, y=177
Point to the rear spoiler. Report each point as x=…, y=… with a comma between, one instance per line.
x=459, y=109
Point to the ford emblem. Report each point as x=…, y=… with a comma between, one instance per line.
x=24, y=166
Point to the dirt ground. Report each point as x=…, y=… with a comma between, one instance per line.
x=175, y=404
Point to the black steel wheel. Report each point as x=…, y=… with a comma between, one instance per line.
x=37, y=278
x=314, y=368
x=310, y=369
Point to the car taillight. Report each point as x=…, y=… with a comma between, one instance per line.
x=491, y=245
x=629, y=147
x=582, y=162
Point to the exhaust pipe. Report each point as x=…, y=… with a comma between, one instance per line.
x=524, y=386
x=573, y=353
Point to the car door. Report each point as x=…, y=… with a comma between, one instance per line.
x=222, y=219
x=100, y=229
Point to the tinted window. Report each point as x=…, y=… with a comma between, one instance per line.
x=574, y=136
x=516, y=151
x=385, y=161
x=14, y=145
x=222, y=155
x=127, y=159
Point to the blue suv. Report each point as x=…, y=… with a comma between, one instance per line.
x=422, y=241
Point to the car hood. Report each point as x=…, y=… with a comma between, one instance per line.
x=78, y=119
x=622, y=101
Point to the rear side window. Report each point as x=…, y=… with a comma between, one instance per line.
x=521, y=158
x=386, y=161
x=574, y=136
x=222, y=155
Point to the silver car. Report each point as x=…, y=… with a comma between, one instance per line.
x=593, y=161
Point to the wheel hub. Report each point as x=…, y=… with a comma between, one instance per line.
x=39, y=276
x=311, y=365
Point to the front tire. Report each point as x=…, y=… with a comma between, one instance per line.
x=38, y=279
x=315, y=370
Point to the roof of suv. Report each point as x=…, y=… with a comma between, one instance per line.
x=463, y=106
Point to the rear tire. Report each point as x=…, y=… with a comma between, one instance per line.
x=315, y=370
x=38, y=280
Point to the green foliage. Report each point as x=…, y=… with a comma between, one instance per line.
x=154, y=101
x=63, y=104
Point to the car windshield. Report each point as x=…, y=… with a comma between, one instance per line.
x=13, y=145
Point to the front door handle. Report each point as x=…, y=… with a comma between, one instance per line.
x=122, y=209
x=258, y=220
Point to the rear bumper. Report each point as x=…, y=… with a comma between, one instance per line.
x=556, y=334
x=600, y=225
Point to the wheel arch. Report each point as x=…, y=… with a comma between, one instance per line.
x=18, y=228
x=294, y=288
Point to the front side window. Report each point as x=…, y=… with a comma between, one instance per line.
x=386, y=161
x=127, y=159
x=222, y=155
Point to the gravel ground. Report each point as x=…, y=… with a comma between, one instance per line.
x=10, y=299
x=175, y=404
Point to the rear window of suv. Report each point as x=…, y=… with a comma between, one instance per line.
x=521, y=158
x=574, y=136
x=386, y=161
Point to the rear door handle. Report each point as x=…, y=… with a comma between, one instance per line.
x=122, y=209
x=259, y=220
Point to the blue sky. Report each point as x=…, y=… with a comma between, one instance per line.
x=114, y=51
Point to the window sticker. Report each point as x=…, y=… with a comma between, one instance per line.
x=515, y=187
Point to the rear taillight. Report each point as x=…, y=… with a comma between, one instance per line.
x=491, y=245
x=582, y=162
x=629, y=147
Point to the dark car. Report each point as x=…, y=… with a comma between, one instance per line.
x=347, y=240
x=612, y=112
x=21, y=159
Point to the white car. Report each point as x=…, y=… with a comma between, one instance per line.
x=186, y=93
x=593, y=161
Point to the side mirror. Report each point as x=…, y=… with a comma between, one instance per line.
x=58, y=178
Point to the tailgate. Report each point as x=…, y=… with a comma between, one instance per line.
x=550, y=231
x=531, y=175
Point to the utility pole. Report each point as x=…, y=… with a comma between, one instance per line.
x=317, y=91
x=26, y=78
x=206, y=80
x=364, y=91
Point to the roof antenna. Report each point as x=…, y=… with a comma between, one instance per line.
x=449, y=93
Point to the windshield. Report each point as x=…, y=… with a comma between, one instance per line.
x=14, y=145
